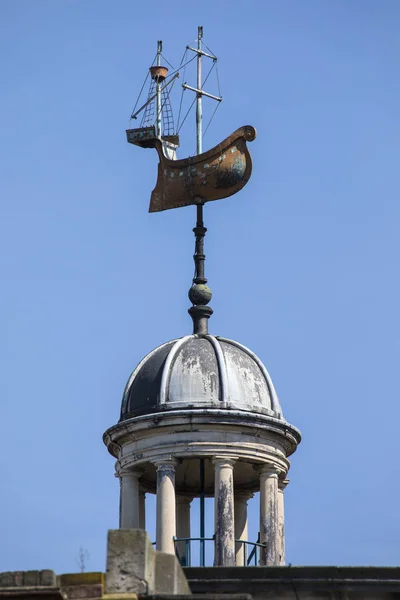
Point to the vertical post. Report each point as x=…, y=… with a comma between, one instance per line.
x=282, y=483
x=142, y=509
x=200, y=230
x=199, y=293
x=202, y=515
x=158, y=90
x=183, y=526
x=224, y=555
x=166, y=509
x=241, y=526
x=199, y=108
x=269, y=515
x=129, y=500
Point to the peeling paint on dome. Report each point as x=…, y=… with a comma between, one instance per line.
x=200, y=372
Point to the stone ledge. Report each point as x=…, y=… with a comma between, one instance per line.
x=120, y=597
x=280, y=582
x=21, y=592
x=75, y=592
x=293, y=572
x=197, y=597
x=70, y=579
x=44, y=577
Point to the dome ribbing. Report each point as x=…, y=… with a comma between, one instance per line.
x=200, y=372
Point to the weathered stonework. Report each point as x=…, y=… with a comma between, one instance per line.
x=301, y=583
x=224, y=513
x=166, y=580
x=241, y=526
x=269, y=519
x=166, y=507
x=27, y=585
x=282, y=483
x=27, y=578
x=130, y=562
x=133, y=566
x=187, y=402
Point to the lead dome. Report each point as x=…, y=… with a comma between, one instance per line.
x=198, y=372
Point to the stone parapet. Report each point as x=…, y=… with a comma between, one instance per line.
x=27, y=585
x=27, y=578
x=70, y=579
x=82, y=585
x=305, y=583
x=198, y=597
x=133, y=567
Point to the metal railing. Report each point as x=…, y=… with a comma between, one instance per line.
x=186, y=558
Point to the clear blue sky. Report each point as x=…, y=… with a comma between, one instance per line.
x=303, y=262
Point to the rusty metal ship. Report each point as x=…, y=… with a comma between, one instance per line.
x=218, y=173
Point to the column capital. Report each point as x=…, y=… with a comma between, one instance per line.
x=243, y=495
x=165, y=464
x=282, y=483
x=125, y=472
x=183, y=499
x=268, y=470
x=229, y=461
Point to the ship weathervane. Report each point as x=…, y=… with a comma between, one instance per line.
x=212, y=175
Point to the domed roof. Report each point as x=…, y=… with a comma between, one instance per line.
x=197, y=372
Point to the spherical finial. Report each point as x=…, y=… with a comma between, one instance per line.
x=200, y=293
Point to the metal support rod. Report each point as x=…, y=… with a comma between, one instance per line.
x=198, y=51
x=201, y=231
x=202, y=514
x=199, y=108
x=199, y=294
x=201, y=92
x=187, y=554
x=158, y=89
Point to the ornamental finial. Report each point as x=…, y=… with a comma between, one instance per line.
x=200, y=294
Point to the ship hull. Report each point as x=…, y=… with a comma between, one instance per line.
x=213, y=175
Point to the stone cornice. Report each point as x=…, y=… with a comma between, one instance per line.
x=118, y=435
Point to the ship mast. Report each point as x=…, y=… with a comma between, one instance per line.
x=199, y=107
x=199, y=149
x=199, y=90
x=158, y=91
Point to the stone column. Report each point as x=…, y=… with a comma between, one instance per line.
x=282, y=483
x=183, y=524
x=224, y=513
x=166, y=509
x=269, y=534
x=241, y=528
x=142, y=509
x=129, y=499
